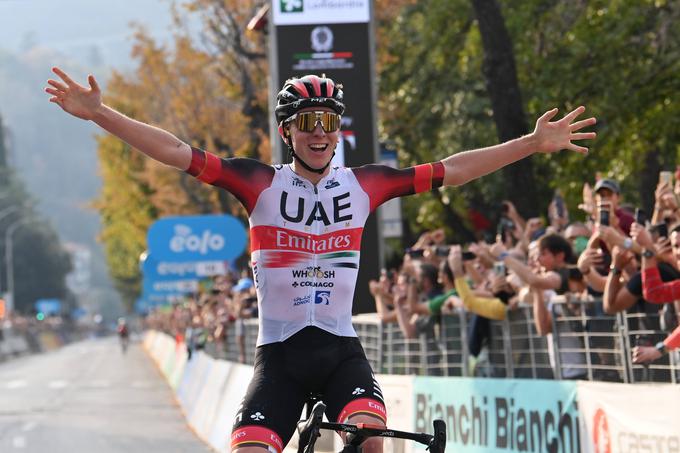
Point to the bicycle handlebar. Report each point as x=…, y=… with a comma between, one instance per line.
x=357, y=434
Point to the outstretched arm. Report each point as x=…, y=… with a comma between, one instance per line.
x=548, y=137
x=86, y=103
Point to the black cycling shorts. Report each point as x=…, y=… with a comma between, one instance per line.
x=312, y=361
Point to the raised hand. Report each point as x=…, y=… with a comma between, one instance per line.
x=74, y=98
x=553, y=136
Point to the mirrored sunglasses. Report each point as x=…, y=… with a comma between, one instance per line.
x=307, y=121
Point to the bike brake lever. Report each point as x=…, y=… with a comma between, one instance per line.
x=438, y=443
x=309, y=429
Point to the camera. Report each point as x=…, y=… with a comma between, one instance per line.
x=640, y=216
x=442, y=250
x=469, y=256
x=661, y=229
x=414, y=253
x=505, y=226
x=604, y=217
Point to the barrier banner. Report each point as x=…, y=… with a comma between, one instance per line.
x=620, y=418
x=500, y=415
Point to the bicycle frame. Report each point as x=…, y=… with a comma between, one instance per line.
x=357, y=434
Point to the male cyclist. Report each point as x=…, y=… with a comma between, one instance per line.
x=123, y=333
x=306, y=220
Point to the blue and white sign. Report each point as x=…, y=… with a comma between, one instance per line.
x=197, y=238
x=155, y=270
x=48, y=306
x=170, y=286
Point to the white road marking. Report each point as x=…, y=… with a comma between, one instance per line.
x=16, y=384
x=99, y=384
x=58, y=384
x=28, y=426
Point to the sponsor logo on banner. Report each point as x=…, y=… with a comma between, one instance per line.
x=292, y=6
x=623, y=418
x=500, y=415
x=299, y=12
x=196, y=238
x=322, y=56
x=601, y=436
x=322, y=39
x=185, y=241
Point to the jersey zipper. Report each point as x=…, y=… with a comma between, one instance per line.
x=315, y=231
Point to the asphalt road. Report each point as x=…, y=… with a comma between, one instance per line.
x=90, y=397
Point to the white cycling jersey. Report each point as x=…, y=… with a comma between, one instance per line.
x=305, y=240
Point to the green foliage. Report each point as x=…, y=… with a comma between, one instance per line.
x=39, y=262
x=619, y=58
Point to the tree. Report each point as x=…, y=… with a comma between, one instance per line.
x=40, y=263
x=618, y=58
x=212, y=95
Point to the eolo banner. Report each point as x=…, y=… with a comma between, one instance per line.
x=334, y=37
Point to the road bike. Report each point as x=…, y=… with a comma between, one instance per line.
x=309, y=431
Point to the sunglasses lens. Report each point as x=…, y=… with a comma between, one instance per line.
x=306, y=121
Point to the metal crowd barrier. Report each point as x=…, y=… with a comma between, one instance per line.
x=585, y=343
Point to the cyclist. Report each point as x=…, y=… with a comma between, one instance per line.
x=123, y=334
x=306, y=220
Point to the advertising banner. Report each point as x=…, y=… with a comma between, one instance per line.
x=300, y=12
x=620, y=418
x=196, y=238
x=155, y=270
x=500, y=415
x=342, y=49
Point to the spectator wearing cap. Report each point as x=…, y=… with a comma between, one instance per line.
x=608, y=193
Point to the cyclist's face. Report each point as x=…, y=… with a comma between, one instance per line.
x=316, y=147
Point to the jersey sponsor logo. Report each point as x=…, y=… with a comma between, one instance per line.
x=312, y=272
x=331, y=183
x=302, y=300
x=297, y=182
x=317, y=212
x=264, y=237
x=322, y=298
x=313, y=285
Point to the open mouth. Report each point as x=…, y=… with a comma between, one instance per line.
x=319, y=147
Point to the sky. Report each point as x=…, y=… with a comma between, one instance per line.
x=74, y=27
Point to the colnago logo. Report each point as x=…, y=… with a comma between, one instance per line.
x=287, y=240
x=312, y=272
x=313, y=285
x=184, y=241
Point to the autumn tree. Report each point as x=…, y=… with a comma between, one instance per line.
x=210, y=93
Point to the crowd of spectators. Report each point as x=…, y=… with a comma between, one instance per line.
x=538, y=261
x=204, y=319
x=532, y=263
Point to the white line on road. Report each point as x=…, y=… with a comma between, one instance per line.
x=58, y=384
x=16, y=384
x=28, y=426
